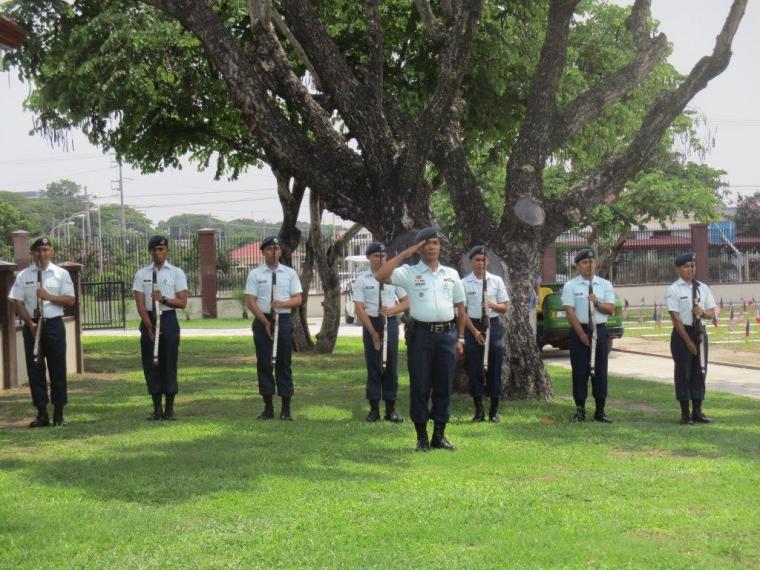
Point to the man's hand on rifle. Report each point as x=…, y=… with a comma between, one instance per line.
x=156, y=295
x=377, y=342
x=592, y=298
x=33, y=328
x=43, y=294
x=480, y=338
x=698, y=311
x=584, y=338
x=387, y=311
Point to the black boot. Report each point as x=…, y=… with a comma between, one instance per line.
x=268, y=412
x=42, y=419
x=480, y=415
x=580, y=413
x=423, y=443
x=169, y=408
x=285, y=409
x=493, y=411
x=439, y=440
x=599, y=415
x=58, y=416
x=696, y=415
x=685, y=417
x=374, y=411
x=390, y=412
x=157, y=411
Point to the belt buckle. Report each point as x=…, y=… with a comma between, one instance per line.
x=437, y=328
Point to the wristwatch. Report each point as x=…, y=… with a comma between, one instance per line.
x=460, y=339
x=164, y=300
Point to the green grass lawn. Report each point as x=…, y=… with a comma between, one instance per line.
x=227, y=323
x=218, y=489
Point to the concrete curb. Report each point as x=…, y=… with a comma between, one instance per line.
x=717, y=363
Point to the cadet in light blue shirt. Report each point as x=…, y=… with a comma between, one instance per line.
x=56, y=291
x=272, y=275
x=482, y=382
x=169, y=294
x=577, y=300
x=382, y=377
x=688, y=298
x=436, y=299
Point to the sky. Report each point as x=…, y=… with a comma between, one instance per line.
x=729, y=104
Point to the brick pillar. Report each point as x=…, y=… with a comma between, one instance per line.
x=549, y=265
x=75, y=270
x=21, y=252
x=8, y=324
x=701, y=248
x=207, y=258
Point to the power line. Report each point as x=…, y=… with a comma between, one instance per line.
x=59, y=177
x=174, y=205
x=220, y=191
x=40, y=160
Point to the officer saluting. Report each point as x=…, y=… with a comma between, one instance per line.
x=689, y=301
x=579, y=302
x=52, y=285
x=259, y=293
x=164, y=294
x=495, y=303
x=373, y=302
x=436, y=298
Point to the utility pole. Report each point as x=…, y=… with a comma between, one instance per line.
x=88, y=220
x=120, y=190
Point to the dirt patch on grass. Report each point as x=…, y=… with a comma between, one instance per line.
x=651, y=534
x=628, y=405
x=664, y=453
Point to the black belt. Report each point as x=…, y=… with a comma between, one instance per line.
x=380, y=316
x=47, y=319
x=270, y=316
x=435, y=328
x=599, y=326
x=480, y=321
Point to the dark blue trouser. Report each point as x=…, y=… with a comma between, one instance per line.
x=580, y=358
x=473, y=361
x=162, y=380
x=382, y=386
x=690, y=383
x=53, y=348
x=282, y=370
x=431, y=359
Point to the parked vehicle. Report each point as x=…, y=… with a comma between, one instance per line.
x=552, y=326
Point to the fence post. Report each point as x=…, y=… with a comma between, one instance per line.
x=549, y=265
x=8, y=324
x=21, y=251
x=74, y=270
x=207, y=262
x=701, y=248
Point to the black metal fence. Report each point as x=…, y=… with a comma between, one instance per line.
x=103, y=305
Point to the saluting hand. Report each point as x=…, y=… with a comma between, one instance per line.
x=413, y=249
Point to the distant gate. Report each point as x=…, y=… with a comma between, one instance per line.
x=103, y=305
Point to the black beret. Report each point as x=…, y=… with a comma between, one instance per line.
x=684, y=258
x=477, y=250
x=426, y=234
x=374, y=247
x=584, y=254
x=155, y=241
x=271, y=240
x=40, y=241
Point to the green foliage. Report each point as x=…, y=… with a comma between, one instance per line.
x=10, y=220
x=748, y=215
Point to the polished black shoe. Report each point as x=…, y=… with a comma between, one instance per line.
x=40, y=421
x=686, y=421
x=58, y=417
x=698, y=417
x=392, y=416
x=602, y=418
x=493, y=411
x=169, y=415
x=494, y=419
x=374, y=412
x=285, y=410
x=580, y=414
x=423, y=443
x=439, y=441
x=266, y=414
x=480, y=415
x=155, y=416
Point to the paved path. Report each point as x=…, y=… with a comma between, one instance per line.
x=720, y=378
x=740, y=381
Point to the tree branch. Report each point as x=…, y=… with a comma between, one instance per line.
x=375, y=47
x=611, y=177
x=260, y=13
x=336, y=249
x=296, y=45
x=432, y=25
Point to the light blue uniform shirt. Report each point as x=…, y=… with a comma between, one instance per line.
x=259, y=284
x=432, y=296
x=575, y=294
x=366, y=290
x=496, y=291
x=680, y=299
x=55, y=280
x=171, y=280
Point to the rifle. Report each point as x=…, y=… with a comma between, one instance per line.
x=384, y=320
x=37, y=353
x=157, y=319
x=592, y=322
x=485, y=321
x=276, y=321
x=699, y=329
